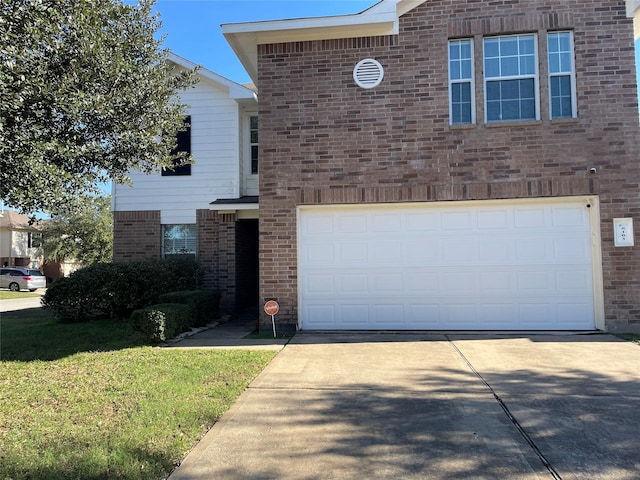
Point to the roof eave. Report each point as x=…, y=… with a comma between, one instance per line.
x=633, y=11
x=236, y=91
x=244, y=38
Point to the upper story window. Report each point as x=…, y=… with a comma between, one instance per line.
x=562, y=87
x=461, y=91
x=179, y=239
x=511, y=78
x=34, y=240
x=253, y=142
x=183, y=145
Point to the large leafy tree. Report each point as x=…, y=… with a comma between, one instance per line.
x=84, y=234
x=86, y=94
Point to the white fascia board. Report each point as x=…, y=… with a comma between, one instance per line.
x=381, y=19
x=232, y=207
x=236, y=91
x=633, y=11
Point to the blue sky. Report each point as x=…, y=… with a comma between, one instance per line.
x=192, y=27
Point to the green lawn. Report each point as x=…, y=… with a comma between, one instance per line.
x=91, y=401
x=632, y=337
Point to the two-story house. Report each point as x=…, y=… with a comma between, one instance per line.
x=449, y=164
x=208, y=209
x=20, y=241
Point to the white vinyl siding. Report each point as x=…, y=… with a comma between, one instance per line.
x=215, y=144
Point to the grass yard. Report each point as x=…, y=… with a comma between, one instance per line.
x=632, y=337
x=91, y=401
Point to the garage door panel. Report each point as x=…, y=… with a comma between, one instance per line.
x=572, y=281
x=389, y=315
x=422, y=222
x=568, y=249
x=356, y=314
x=320, y=284
x=458, y=220
x=353, y=283
x=529, y=218
x=566, y=217
x=350, y=254
x=495, y=266
x=493, y=219
x=573, y=313
x=352, y=224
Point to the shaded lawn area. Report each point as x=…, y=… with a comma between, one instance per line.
x=91, y=401
x=632, y=337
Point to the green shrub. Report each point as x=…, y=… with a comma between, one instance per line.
x=204, y=304
x=163, y=321
x=117, y=289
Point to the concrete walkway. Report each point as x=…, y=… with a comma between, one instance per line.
x=420, y=406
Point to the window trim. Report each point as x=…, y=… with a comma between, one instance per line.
x=185, y=252
x=252, y=144
x=471, y=81
x=183, y=144
x=535, y=76
x=571, y=75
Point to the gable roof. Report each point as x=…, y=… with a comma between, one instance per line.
x=236, y=91
x=12, y=220
x=380, y=19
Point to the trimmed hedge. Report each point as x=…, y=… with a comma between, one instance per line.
x=204, y=304
x=163, y=321
x=117, y=289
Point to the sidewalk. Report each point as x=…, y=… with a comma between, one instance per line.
x=231, y=334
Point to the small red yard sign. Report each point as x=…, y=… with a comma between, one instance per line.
x=271, y=307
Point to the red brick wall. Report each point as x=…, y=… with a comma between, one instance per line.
x=136, y=236
x=217, y=254
x=325, y=140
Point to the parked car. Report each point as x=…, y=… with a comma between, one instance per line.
x=18, y=278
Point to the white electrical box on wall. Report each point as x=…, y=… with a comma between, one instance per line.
x=623, y=232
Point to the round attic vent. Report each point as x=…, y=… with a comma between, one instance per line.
x=368, y=73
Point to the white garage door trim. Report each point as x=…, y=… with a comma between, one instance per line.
x=312, y=269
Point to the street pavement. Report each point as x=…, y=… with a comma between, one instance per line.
x=432, y=406
x=19, y=304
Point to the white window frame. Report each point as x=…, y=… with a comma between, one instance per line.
x=248, y=144
x=571, y=74
x=535, y=76
x=471, y=81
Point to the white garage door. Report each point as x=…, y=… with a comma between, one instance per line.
x=454, y=266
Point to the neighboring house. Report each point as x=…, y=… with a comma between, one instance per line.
x=208, y=209
x=449, y=164
x=20, y=241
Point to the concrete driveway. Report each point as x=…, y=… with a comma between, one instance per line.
x=419, y=406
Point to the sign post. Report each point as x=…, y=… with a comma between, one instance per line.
x=272, y=308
